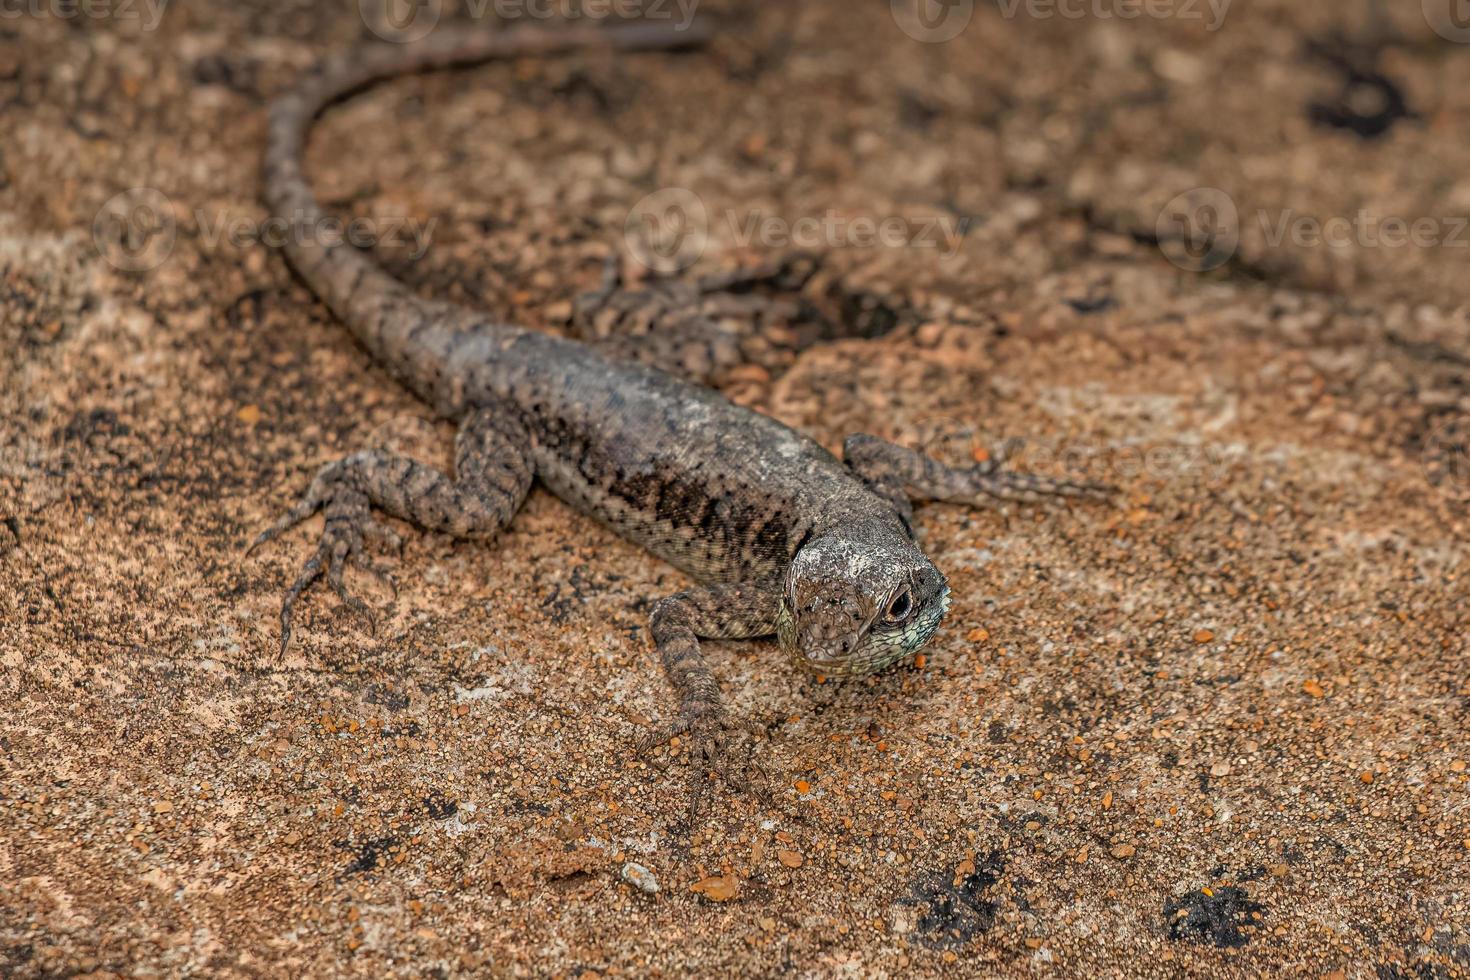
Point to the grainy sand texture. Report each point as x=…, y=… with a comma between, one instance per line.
x=1217, y=727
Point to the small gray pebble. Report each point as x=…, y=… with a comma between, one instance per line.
x=641, y=878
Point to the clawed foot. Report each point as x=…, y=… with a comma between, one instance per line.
x=349, y=522
x=712, y=743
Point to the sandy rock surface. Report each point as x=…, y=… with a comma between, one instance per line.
x=1217, y=728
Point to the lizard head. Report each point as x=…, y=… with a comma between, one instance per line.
x=851, y=607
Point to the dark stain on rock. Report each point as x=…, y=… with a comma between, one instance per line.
x=863, y=314
x=1368, y=106
x=953, y=914
x=440, y=807
x=386, y=697
x=577, y=84
x=1091, y=305
x=410, y=730
x=517, y=808
x=1369, y=103
x=1419, y=971
x=568, y=596
x=1216, y=916
x=240, y=75
x=369, y=854
x=916, y=112
x=83, y=426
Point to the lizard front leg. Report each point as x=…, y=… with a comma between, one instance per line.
x=493, y=473
x=719, y=612
x=900, y=475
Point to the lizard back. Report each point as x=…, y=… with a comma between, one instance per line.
x=725, y=493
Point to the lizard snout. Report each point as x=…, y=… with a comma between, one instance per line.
x=824, y=626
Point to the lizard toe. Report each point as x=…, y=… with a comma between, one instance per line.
x=290, y=519
x=341, y=544
x=310, y=572
x=383, y=533
x=348, y=519
x=713, y=756
x=665, y=734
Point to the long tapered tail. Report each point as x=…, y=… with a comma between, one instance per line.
x=384, y=315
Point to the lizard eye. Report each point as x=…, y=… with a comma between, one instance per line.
x=900, y=607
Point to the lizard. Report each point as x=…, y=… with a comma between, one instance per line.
x=781, y=536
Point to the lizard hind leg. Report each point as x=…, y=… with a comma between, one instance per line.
x=900, y=474
x=493, y=473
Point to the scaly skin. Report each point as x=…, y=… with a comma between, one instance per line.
x=784, y=538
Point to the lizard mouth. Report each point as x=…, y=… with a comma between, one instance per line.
x=854, y=668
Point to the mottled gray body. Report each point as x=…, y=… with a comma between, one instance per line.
x=724, y=493
x=788, y=539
